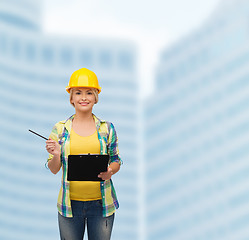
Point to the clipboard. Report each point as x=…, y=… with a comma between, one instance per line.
x=86, y=167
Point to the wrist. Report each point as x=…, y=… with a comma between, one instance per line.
x=57, y=154
x=110, y=171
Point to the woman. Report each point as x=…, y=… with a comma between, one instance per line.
x=84, y=203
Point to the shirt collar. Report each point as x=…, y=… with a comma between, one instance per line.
x=68, y=122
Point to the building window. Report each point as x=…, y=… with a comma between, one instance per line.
x=3, y=44
x=47, y=54
x=125, y=61
x=86, y=57
x=66, y=56
x=16, y=48
x=105, y=58
x=30, y=52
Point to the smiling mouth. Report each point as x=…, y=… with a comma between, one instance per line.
x=84, y=103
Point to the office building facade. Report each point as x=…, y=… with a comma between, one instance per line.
x=34, y=70
x=197, y=133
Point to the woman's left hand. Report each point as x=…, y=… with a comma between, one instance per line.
x=106, y=175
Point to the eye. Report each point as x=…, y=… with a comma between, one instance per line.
x=78, y=93
x=89, y=93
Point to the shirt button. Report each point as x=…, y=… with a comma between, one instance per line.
x=103, y=196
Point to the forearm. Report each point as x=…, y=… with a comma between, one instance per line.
x=55, y=164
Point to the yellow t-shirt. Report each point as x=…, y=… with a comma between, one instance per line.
x=84, y=190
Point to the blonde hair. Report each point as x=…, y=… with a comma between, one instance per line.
x=94, y=90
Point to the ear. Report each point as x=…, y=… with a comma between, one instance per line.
x=71, y=101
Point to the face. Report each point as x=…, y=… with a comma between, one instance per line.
x=83, y=99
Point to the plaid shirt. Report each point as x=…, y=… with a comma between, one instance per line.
x=108, y=145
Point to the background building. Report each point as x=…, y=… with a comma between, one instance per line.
x=34, y=70
x=197, y=133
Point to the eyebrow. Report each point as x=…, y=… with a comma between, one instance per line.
x=79, y=90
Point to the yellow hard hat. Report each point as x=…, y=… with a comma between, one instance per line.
x=83, y=78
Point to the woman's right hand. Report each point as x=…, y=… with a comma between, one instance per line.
x=53, y=147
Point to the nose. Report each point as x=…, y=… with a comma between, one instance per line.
x=83, y=96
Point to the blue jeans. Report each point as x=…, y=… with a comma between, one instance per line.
x=88, y=214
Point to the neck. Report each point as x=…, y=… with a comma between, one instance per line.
x=83, y=116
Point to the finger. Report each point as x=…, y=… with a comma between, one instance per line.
x=102, y=177
x=50, y=147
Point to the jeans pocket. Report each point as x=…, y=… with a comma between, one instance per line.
x=99, y=202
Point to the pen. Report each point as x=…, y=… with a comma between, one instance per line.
x=38, y=134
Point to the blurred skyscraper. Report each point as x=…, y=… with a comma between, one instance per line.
x=34, y=70
x=197, y=133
